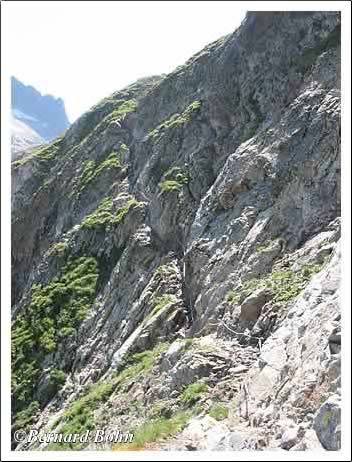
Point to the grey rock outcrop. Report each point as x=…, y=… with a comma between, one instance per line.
x=327, y=423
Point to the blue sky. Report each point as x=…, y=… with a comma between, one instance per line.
x=84, y=51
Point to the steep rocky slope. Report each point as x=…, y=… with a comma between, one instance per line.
x=176, y=254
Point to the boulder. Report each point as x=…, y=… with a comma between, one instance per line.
x=289, y=438
x=252, y=305
x=327, y=423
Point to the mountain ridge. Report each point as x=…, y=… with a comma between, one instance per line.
x=36, y=118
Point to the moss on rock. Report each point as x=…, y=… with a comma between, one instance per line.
x=104, y=215
x=176, y=120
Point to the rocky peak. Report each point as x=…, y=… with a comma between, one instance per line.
x=37, y=118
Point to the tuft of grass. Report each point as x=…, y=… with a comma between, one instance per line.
x=284, y=283
x=265, y=245
x=219, y=411
x=121, y=111
x=92, y=170
x=88, y=172
x=140, y=362
x=59, y=248
x=231, y=297
x=170, y=186
x=173, y=180
x=43, y=153
x=155, y=430
x=309, y=270
x=193, y=392
x=165, y=271
x=161, y=409
x=103, y=215
x=176, y=120
x=111, y=161
x=98, y=119
x=160, y=303
x=123, y=211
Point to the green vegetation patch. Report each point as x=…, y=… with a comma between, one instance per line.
x=140, y=362
x=43, y=153
x=326, y=418
x=121, y=111
x=96, y=123
x=155, y=430
x=285, y=284
x=265, y=245
x=176, y=120
x=27, y=417
x=79, y=417
x=170, y=185
x=231, y=296
x=173, y=180
x=55, y=311
x=165, y=271
x=193, y=392
x=219, y=411
x=92, y=170
x=104, y=215
x=161, y=302
x=59, y=248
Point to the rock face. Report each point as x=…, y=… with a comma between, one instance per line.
x=176, y=257
x=36, y=118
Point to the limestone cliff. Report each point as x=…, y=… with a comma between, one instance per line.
x=176, y=254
